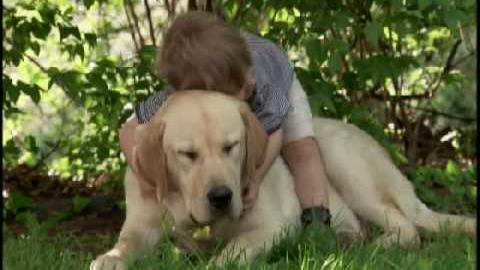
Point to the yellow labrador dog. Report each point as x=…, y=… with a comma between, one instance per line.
x=198, y=152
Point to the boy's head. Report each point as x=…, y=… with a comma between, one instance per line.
x=201, y=52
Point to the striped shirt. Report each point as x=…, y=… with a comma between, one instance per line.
x=273, y=78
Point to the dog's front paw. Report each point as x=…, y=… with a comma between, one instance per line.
x=107, y=262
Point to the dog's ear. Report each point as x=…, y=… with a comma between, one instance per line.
x=256, y=141
x=149, y=161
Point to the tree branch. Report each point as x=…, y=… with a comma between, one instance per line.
x=399, y=97
x=465, y=57
x=130, y=26
x=448, y=64
x=464, y=119
x=150, y=23
x=446, y=68
x=466, y=39
x=171, y=7
x=240, y=11
x=192, y=5
x=135, y=20
x=43, y=157
x=45, y=70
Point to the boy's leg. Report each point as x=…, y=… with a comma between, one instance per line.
x=302, y=155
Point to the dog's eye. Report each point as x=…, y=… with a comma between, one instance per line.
x=228, y=148
x=192, y=155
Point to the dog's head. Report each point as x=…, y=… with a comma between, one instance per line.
x=203, y=145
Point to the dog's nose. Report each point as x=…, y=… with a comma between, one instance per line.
x=220, y=197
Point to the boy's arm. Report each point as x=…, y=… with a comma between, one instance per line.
x=272, y=151
x=143, y=113
x=126, y=136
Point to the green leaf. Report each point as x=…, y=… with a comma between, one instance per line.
x=452, y=17
x=35, y=48
x=88, y=3
x=147, y=55
x=320, y=100
x=314, y=50
x=453, y=168
x=396, y=4
x=33, y=91
x=80, y=203
x=13, y=94
x=51, y=81
x=31, y=144
x=12, y=91
x=79, y=50
x=423, y=4
x=12, y=150
x=91, y=39
x=48, y=13
x=66, y=31
x=97, y=81
x=17, y=201
x=340, y=46
x=342, y=21
x=373, y=32
x=335, y=62
x=442, y=2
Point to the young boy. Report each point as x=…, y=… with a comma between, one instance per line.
x=201, y=52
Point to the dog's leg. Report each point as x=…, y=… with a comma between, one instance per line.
x=397, y=228
x=138, y=234
x=143, y=227
x=344, y=221
x=430, y=220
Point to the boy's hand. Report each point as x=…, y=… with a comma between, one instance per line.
x=250, y=195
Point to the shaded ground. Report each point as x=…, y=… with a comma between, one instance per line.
x=82, y=208
x=73, y=206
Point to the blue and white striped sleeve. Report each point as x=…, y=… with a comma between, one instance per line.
x=147, y=109
x=270, y=107
x=274, y=77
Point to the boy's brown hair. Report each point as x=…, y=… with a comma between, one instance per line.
x=200, y=51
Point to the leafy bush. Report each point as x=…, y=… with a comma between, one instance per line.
x=452, y=189
x=401, y=70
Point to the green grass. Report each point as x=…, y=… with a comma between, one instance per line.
x=314, y=249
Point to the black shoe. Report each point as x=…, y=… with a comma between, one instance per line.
x=318, y=215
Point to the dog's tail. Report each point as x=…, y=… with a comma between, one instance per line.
x=429, y=220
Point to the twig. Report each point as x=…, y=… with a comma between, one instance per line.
x=399, y=97
x=135, y=20
x=171, y=7
x=239, y=10
x=130, y=26
x=467, y=40
x=45, y=70
x=192, y=5
x=446, y=69
x=448, y=65
x=209, y=6
x=150, y=23
x=44, y=156
x=467, y=120
x=465, y=57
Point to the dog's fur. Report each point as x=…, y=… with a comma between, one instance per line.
x=200, y=140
